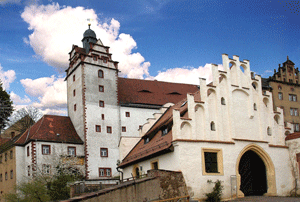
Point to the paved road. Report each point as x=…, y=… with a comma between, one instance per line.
x=267, y=199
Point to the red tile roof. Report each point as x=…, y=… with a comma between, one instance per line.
x=158, y=143
x=51, y=128
x=292, y=136
x=136, y=91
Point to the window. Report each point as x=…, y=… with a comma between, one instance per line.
x=1, y=178
x=101, y=103
x=164, y=131
x=279, y=88
x=100, y=74
x=292, y=97
x=98, y=128
x=46, y=169
x=140, y=127
x=222, y=101
x=291, y=80
x=127, y=114
x=28, y=153
x=74, y=93
x=123, y=129
x=154, y=165
x=103, y=152
x=72, y=151
x=73, y=77
x=74, y=107
x=11, y=174
x=6, y=176
x=104, y=172
x=11, y=154
x=280, y=97
x=46, y=149
x=104, y=59
x=1, y=158
x=28, y=170
x=269, y=132
x=108, y=129
x=296, y=127
x=95, y=58
x=292, y=89
x=255, y=107
x=101, y=88
x=5, y=156
x=102, y=115
x=212, y=126
x=293, y=112
x=146, y=140
x=212, y=163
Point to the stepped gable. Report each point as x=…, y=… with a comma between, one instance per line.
x=158, y=144
x=137, y=91
x=51, y=128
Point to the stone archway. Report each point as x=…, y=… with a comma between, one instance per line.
x=266, y=168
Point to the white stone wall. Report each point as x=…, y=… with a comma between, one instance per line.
x=20, y=162
x=187, y=158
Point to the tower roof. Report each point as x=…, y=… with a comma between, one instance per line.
x=89, y=33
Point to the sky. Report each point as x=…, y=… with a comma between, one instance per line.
x=167, y=40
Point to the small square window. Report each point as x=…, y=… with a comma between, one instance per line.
x=46, y=149
x=127, y=114
x=101, y=88
x=103, y=152
x=75, y=107
x=74, y=93
x=101, y=103
x=98, y=128
x=104, y=172
x=72, y=151
x=102, y=116
x=109, y=129
x=280, y=97
x=212, y=162
x=123, y=129
x=95, y=58
x=73, y=77
x=164, y=131
x=46, y=169
x=296, y=127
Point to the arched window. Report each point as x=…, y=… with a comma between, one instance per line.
x=254, y=86
x=212, y=126
x=137, y=172
x=255, y=107
x=276, y=118
x=269, y=131
x=100, y=74
x=223, y=101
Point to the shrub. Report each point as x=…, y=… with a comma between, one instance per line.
x=215, y=195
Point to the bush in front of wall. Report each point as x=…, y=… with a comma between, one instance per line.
x=215, y=195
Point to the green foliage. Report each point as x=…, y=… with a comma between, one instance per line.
x=45, y=188
x=5, y=107
x=215, y=195
x=32, y=191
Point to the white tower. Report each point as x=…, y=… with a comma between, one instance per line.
x=93, y=104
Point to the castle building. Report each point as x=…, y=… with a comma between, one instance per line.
x=228, y=131
x=286, y=91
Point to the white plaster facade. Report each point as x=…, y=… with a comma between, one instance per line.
x=244, y=120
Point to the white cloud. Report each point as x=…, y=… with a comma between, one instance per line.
x=7, y=77
x=188, y=75
x=56, y=28
x=18, y=100
x=50, y=93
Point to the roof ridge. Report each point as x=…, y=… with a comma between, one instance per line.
x=159, y=81
x=38, y=127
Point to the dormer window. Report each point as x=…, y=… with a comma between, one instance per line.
x=145, y=91
x=164, y=131
x=146, y=140
x=174, y=93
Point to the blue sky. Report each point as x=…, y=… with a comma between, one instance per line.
x=161, y=39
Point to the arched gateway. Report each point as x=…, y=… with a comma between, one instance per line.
x=255, y=172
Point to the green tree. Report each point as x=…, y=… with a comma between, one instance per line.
x=6, y=107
